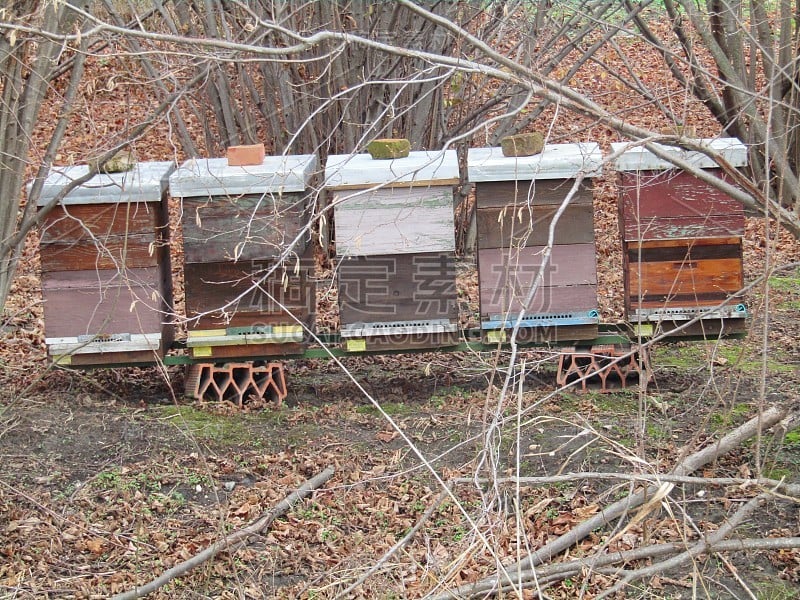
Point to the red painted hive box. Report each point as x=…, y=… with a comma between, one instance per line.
x=682, y=242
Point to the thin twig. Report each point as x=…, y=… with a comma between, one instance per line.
x=400, y=544
x=231, y=540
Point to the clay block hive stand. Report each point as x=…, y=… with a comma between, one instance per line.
x=237, y=221
x=395, y=247
x=682, y=242
x=517, y=198
x=106, y=280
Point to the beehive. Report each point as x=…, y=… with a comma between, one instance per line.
x=248, y=270
x=682, y=241
x=106, y=279
x=395, y=247
x=517, y=199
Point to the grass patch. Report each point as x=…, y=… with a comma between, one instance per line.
x=623, y=401
x=722, y=354
x=206, y=426
x=390, y=408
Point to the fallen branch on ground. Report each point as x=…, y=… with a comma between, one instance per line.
x=231, y=540
x=770, y=417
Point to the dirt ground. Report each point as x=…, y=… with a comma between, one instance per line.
x=109, y=477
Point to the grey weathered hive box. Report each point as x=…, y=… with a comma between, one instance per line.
x=106, y=278
x=517, y=198
x=395, y=239
x=239, y=222
x=681, y=237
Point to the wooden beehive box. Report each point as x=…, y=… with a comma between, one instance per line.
x=248, y=269
x=682, y=241
x=395, y=246
x=106, y=278
x=517, y=199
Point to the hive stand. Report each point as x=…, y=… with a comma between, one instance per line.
x=237, y=222
x=607, y=364
x=517, y=198
x=395, y=248
x=236, y=382
x=682, y=242
x=106, y=280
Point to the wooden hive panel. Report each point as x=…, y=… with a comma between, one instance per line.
x=515, y=225
x=103, y=236
x=248, y=227
x=212, y=286
x=675, y=205
x=247, y=351
x=682, y=273
x=569, y=284
x=398, y=220
x=399, y=343
x=104, y=302
x=403, y=287
x=540, y=192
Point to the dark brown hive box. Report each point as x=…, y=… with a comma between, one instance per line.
x=243, y=296
x=395, y=246
x=106, y=280
x=517, y=199
x=681, y=238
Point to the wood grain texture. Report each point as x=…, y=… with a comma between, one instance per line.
x=545, y=192
x=115, y=358
x=547, y=300
x=105, y=236
x=710, y=329
x=246, y=319
x=251, y=351
x=210, y=286
x=112, y=252
x=684, y=250
x=569, y=264
x=406, y=287
x=669, y=204
x=248, y=227
x=104, y=302
x=514, y=226
x=682, y=273
x=67, y=224
x=394, y=221
x=703, y=278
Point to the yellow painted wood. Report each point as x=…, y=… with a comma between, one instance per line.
x=64, y=360
x=287, y=329
x=356, y=345
x=496, y=336
x=201, y=352
x=197, y=333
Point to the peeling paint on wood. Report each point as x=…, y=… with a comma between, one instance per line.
x=394, y=221
x=244, y=228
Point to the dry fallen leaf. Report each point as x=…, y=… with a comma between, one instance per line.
x=386, y=436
